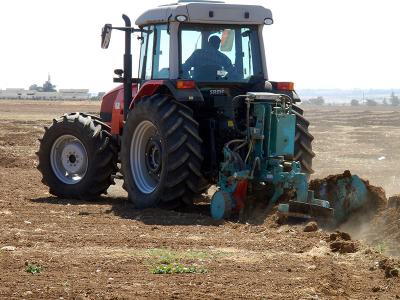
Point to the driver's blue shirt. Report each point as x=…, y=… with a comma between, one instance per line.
x=206, y=57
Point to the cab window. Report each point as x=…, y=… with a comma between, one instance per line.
x=154, y=53
x=161, y=53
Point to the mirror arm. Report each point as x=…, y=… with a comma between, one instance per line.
x=130, y=29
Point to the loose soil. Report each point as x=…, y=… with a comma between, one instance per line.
x=106, y=249
x=383, y=231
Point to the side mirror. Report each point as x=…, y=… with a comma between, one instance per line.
x=119, y=72
x=106, y=36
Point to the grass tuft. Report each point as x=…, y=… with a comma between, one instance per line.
x=381, y=248
x=33, y=268
x=167, y=261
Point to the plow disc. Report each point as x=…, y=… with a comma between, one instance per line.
x=347, y=194
x=335, y=199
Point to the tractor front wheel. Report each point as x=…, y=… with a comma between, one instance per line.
x=161, y=153
x=77, y=157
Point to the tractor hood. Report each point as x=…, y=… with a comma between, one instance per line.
x=210, y=12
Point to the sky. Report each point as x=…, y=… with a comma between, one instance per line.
x=341, y=44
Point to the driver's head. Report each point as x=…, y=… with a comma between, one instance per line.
x=214, y=42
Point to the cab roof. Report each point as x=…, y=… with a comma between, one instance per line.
x=206, y=11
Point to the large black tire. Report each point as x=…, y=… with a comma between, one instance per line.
x=303, y=142
x=101, y=156
x=163, y=167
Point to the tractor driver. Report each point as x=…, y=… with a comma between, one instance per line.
x=208, y=59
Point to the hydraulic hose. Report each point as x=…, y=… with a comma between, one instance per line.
x=257, y=163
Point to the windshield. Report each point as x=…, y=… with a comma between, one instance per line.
x=214, y=53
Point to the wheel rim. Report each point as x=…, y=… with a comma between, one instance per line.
x=146, y=157
x=68, y=159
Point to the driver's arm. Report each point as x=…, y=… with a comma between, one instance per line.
x=190, y=62
x=227, y=64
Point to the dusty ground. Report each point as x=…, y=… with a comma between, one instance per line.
x=106, y=249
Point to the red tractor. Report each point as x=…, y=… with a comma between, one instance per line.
x=167, y=128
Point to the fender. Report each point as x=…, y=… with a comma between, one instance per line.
x=112, y=106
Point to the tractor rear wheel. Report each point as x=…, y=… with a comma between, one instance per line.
x=161, y=153
x=303, y=142
x=77, y=157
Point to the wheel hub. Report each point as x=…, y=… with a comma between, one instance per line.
x=72, y=157
x=153, y=156
x=68, y=159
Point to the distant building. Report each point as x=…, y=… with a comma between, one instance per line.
x=73, y=94
x=45, y=92
x=62, y=94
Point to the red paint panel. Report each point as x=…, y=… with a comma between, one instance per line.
x=117, y=118
x=113, y=103
x=108, y=100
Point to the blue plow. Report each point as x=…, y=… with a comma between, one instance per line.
x=261, y=161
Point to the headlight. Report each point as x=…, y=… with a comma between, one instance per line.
x=181, y=18
x=268, y=21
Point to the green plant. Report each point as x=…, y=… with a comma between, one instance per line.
x=33, y=268
x=173, y=268
x=168, y=261
x=381, y=247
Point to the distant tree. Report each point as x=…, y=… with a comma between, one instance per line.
x=371, y=102
x=34, y=87
x=317, y=101
x=385, y=101
x=394, y=100
x=354, y=102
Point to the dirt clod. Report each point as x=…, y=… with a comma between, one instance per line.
x=390, y=272
x=376, y=289
x=339, y=235
x=343, y=246
x=341, y=242
x=390, y=267
x=394, y=201
x=310, y=227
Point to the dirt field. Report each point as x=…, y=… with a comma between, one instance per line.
x=107, y=249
